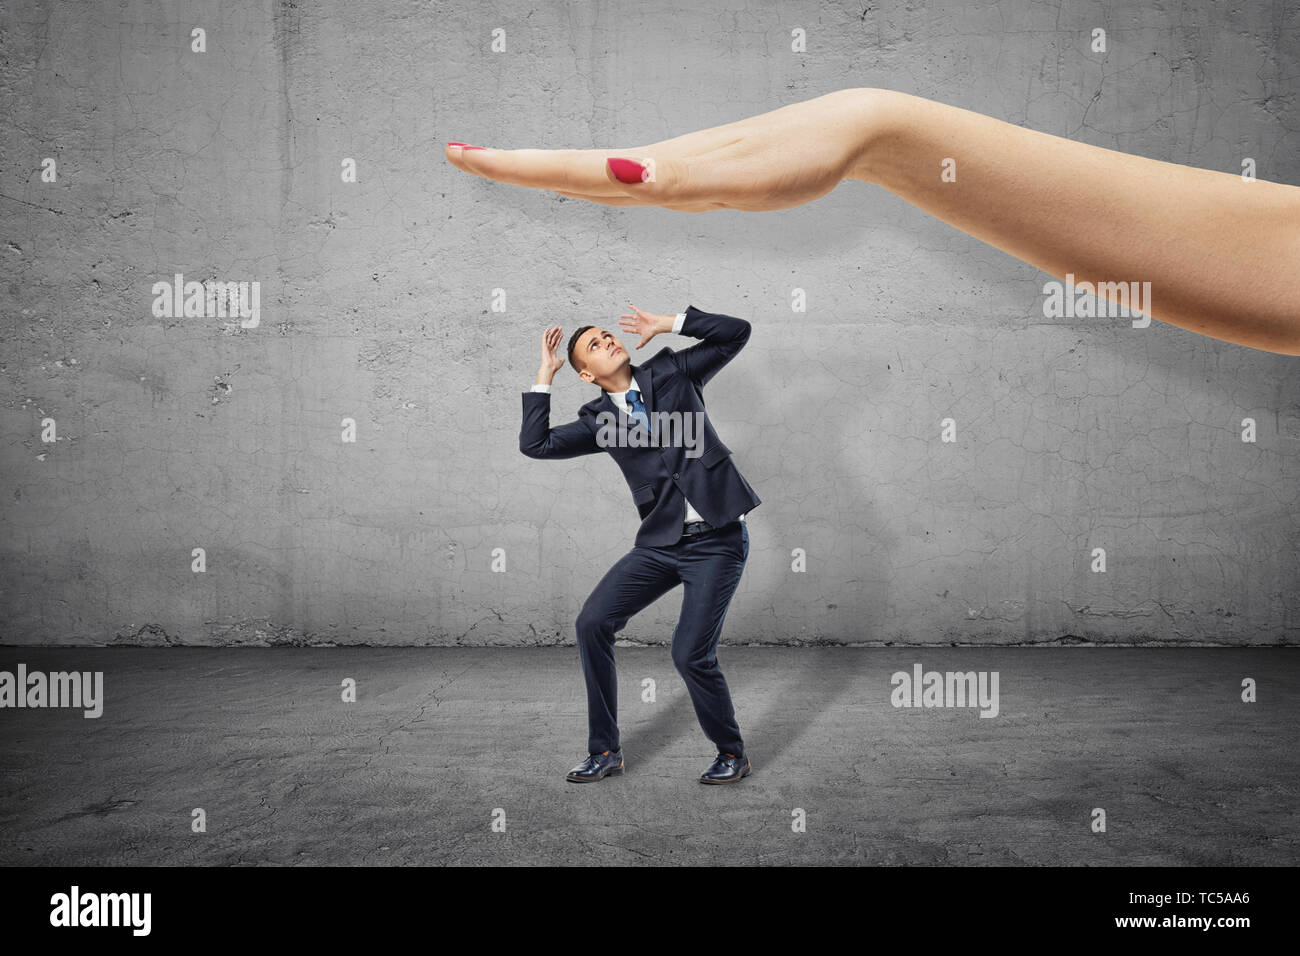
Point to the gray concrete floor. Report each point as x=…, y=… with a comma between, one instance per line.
x=440, y=737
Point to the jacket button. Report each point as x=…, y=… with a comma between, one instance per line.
x=674, y=476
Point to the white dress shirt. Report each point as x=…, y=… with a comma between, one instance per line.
x=620, y=400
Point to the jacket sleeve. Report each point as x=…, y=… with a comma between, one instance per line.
x=538, y=440
x=722, y=337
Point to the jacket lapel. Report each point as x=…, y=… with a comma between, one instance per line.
x=645, y=384
x=606, y=404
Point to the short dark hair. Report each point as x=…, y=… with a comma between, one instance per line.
x=573, y=344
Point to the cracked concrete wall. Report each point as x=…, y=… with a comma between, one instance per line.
x=175, y=433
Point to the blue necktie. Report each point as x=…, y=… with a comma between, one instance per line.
x=636, y=409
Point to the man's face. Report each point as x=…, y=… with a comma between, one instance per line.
x=599, y=355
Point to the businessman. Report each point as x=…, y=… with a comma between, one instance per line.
x=692, y=502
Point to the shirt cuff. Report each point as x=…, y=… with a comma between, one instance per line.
x=542, y=388
x=681, y=317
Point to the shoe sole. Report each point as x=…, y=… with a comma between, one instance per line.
x=617, y=771
x=736, y=779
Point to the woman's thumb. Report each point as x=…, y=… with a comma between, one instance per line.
x=645, y=175
x=629, y=170
x=674, y=182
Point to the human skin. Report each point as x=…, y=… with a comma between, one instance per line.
x=1222, y=253
x=601, y=356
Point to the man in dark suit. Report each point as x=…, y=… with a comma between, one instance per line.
x=692, y=501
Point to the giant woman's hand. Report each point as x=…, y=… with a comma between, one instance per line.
x=784, y=158
x=1221, y=253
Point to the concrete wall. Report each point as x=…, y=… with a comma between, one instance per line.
x=176, y=433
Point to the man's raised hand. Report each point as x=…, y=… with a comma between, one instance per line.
x=645, y=324
x=552, y=362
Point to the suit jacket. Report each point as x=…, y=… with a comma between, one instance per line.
x=660, y=478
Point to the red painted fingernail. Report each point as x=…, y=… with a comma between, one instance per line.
x=465, y=147
x=626, y=171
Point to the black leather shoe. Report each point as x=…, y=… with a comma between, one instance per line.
x=728, y=768
x=609, y=763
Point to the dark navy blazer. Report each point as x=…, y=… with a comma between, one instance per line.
x=661, y=478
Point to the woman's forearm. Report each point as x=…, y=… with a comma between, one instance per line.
x=1221, y=253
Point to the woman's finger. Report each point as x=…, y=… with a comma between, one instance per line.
x=607, y=200
x=628, y=201
x=575, y=170
x=707, y=183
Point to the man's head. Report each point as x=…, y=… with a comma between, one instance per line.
x=595, y=354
